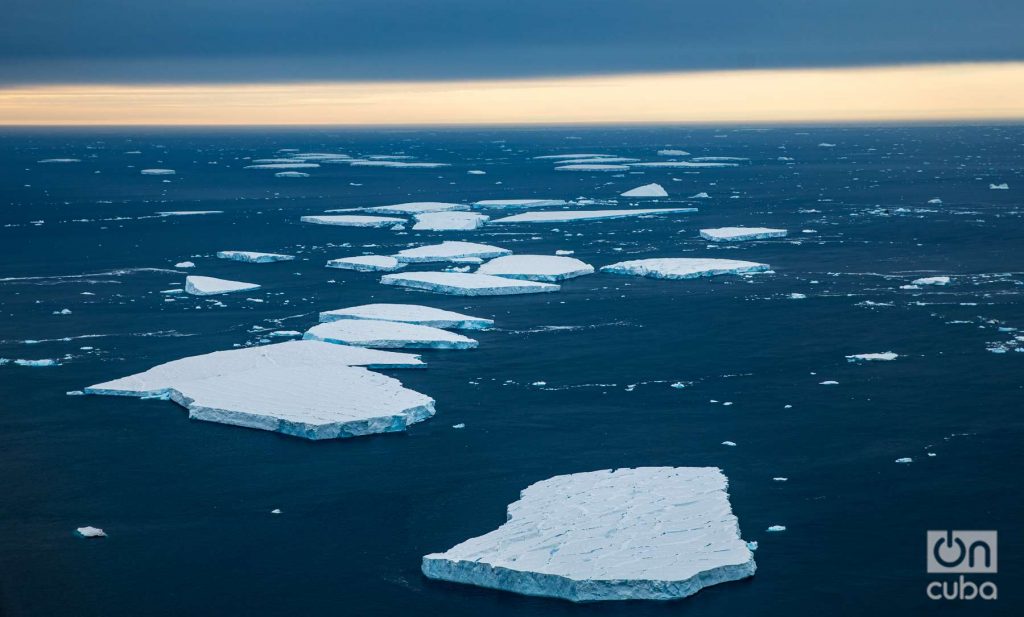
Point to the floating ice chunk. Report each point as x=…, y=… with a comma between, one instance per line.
x=729, y=443
x=367, y=263
x=565, y=216
x=999, y=187
x=44, y=161
x=684, y=268
x=932, y=280
x=885, y=356
x=91, y=532
x=398, y=164
x=673, y=153
x=518, y=203
x=683, y=164
x=450, y=250
x=718, y=159
x=387, y=334
x=184, y=264
x=409, y=313
x=701, y=195
x=285, y=333
x=291, y=174
x=935, y=200
x=604, y=160
x=797, y=296
x=829, y=382
x=647, y=190
x=352, y=220
x=466, y=284
x=476, y=172
x=189, y=212
x=826, y=145
x=208, y=286
x=563, y=253
x=654, y=533
x=545, y=268
x=777, y=528
x=592, y=167
x=416, y=207
x=158, y=172
x=459, y=425
x=780, y=479
x=37, y=363
x=739, y=234
x=449, y=221
x=160, y=379
x=298, y=165
x=252, y=257
x=571, y=156
x=904, y=460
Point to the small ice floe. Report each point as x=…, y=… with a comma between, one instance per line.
x=409, y=313
x=48, y=161
x=826, y=145
x=780, y=479
x=828, y=382
x=449, y=221
x=681, y=164
x=673, y=153
x=719, y=159
x=62, y=312
x=731, y=444
x=565, y=216
x=74, y=393
x=776, y=528
x=449, y=251
x=387, y=335
x=189, y=212
x=752, y=545
x=518, y=203
x=90, y=532
x=476, y=172
x=608, y=535
x=398, y=164
x=285, y=333
x=291, y=174
x=416, y=207
x=605, y=160
x=999, y=187
x=679, y=385
x=253, y=257
x=884, y=356
x=592, y=167
x=353, y=220
x=276, y=511
x=556, y=157
x=797, y=296
x=740, y=234
x=932, y=280
x=684, y=268
x=283, y=166
x=700, y=195
x=935, y=200
x=545, y=268
x=37, y=363
x=466, y=284
x=367, y=263
x=208, y=286
x=158, y=172
x=647, y=190
x=562, y=253
x=459, y=425
x=904, y=460
x=185, y=264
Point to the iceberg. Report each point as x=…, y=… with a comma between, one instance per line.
x=387, y=334
x=739, y=234
x=650, y=533
x=185, y=264
x=449, y=221
x=603, y=160
x=647, y=190
x=159, y=380
x=252, y=257
x=466, y=284
x=449, y=251
x=932, y=280
x=718, y=159
x=291, y=174
x=44, y=161
x=415, y=207
x=283, y=166
x=397, y=164
x=409, y=313
x=999, y=187
x=672, y=164
x=367, y=263
x=188, y=212
x=158, y=172
x=571, y=156
x=545, y=268
x=885, y=356
x=350, y=220
x=673, y=153
x=91, y=532
x=566, y=216
x=518, y=203
x=592, y=167
x=684, y=267
x=209, y=286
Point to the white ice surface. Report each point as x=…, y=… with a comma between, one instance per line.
x=739, y=234
x=932, y=280
x=466, y=284
x=684, y=267
x=416, y=207
x=518, y=203
x=592, y=167
x=885, y=356
x=647, y=190
x=367, y=263
x=409, y=313
x=353, y=220
x=449, y=221
x=387, y=334
x=209, y=286
x=448, y=251
x=253, y=257
x=157, y=172
x=565, y=216
x=545, y=268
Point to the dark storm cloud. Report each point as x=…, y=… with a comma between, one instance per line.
x=288, y=40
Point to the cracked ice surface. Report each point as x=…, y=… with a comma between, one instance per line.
x=656, y=533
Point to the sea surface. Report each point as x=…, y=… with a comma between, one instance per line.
x=574, y=381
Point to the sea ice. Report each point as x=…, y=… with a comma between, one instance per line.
x=739, y=234
x=185, y=264
x=684, y=268
x=449, y=221
x=545, y=268
x=387, y=334
x=999, y=187
x=592, y=167
x=932, y=280
x=291, y=174
x=565, y=216
x=91, y=532
x=252, y=257
x=416, y=207
x=60, y=161
x=518, y=203
x=208, y=286
x=448, y=251
x=884, y=356
x=673, y=153
x=284, y=166
x=654, y=533
x=647, y=190
x=352, y=220
x=409, y=313
x=367, y=263
x=672, y=164
x=397, y=164
x=157, y=172
x=466, y=284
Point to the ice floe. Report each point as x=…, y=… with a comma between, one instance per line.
x=545, y=268
x=91, y=532
x=673, y=153
x=592, y=167
x=409, y=313
x=466, y=284
x=449, y=221
x=655, y=533
x=884, y=356
x=291, y=174
x=209, y=286
x=518, y=203
x=416, y=207
x=449, y=251
x=565, y=216
x=367, y=263
x=684, y=267
x=158, y=172
x=284, y=166
x=387, y=334
x=353, y=220
x=681, y=164
x=253, y=257
x=45, y=161
x=398, y=164
x=999, y=187
x=932, y=280
x=647, y=190
x=739, y=234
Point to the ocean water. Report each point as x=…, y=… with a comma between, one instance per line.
x=187, y=504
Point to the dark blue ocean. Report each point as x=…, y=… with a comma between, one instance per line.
x=187, y=504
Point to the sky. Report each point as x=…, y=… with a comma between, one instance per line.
x=142, y=61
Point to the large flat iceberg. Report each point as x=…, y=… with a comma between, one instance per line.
x=684, y=267
x=353, y=220
x=387, y=334
x=545, y=268
x=449, y=221
x=466, y=284
x=253, y=257
x=565, y=216
x=367, y=263
x=740, y=234
x=651, y=533
x=409, y=313
x=209, y=286
x=448, y=251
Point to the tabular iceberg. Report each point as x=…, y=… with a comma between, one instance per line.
x=449, y=221
x=353, y=220
x=416, y=207
x=367, y=263
x=252, y=257
x=684, y=268
x=647, y=190
x=409, y=313
x=209, y=286
x=449, y=251
x=387, y=334
x=565, y=216
x=545, y=268
x=739, y=234
x=654, y=533
x=466, y=284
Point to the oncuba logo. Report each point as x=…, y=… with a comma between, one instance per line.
x=962, y=552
